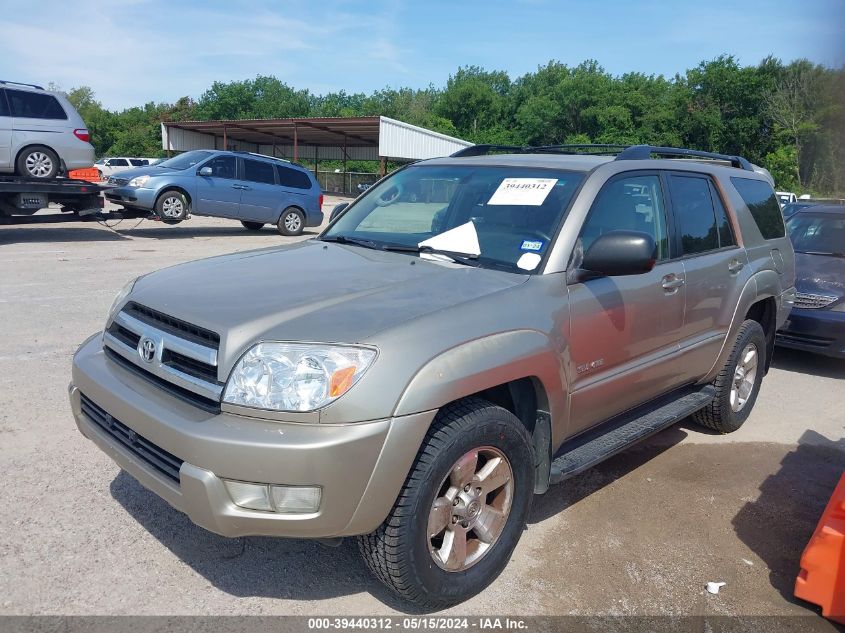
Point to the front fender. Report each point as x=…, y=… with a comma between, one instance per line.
x=483, y=363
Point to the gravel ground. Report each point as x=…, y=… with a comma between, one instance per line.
x=640, y=534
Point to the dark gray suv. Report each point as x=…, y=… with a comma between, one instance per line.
x=470, y=331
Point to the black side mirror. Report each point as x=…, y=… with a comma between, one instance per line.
x=621, y=253
x=337, y=210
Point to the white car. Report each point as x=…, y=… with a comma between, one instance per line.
x=109, y=166
x=41, y=134
x=786, y=197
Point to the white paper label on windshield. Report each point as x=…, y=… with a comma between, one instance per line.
x=526, y=191
x=528, y=261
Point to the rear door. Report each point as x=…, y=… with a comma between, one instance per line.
x=715, y=268
x=625, y=329
x=5, y=133
x=260, y=197
x=219, y=194
x=297, y=189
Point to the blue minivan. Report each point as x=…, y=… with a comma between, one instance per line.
x=252, y=188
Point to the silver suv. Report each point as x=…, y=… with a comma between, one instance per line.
x=41, y=134
x=468, y=332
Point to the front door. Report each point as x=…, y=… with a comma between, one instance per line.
x=220, y=193
x=625, y=329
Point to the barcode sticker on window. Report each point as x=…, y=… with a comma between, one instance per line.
x=522, y=191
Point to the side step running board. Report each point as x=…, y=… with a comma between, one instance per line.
x=610, y=438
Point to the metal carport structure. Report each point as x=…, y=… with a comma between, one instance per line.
x=376, y=138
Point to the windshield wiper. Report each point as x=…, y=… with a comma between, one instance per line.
x=460, y=258
x=355, y=241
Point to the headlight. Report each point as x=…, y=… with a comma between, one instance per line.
x=140, y=181
x=124, y=292
x=295, y=376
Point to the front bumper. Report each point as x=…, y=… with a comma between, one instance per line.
x=137, y=197
x=820, y=331
x=360, y=467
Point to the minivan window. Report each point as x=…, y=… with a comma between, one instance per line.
x=258, y=171
x=763, y=205
x=4, y=107
x=186, y=160
x=293, y=178
x=222, y=166
x=34, y=105
x=694, y=213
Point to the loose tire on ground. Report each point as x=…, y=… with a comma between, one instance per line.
x=410, y=553
x=252, y=226
x=291, y=222
x=172, y=207
x=736, y=389
x=37, y=161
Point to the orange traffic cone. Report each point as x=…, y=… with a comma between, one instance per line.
x=822, y=577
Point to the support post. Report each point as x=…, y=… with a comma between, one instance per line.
x=345, y=190
x=295, y=144
x=316, y=161
x=225, y=139
x=382, y=166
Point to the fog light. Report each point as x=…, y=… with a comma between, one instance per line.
x=250, y=496
x=296, y=499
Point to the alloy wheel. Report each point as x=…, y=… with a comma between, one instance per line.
x=471, y=509
x=745, y=375
x=292, y=222
x=172, y=207
x=39, y=164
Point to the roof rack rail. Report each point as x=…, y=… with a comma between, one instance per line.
x=644, y=152
x=18, y=83
x=599, y=149
x=484, y=149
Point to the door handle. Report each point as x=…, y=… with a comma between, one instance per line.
x=735, y=266
x=238, y=187
x=672, y=282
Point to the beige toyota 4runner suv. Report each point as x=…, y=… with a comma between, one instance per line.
x=468, y=332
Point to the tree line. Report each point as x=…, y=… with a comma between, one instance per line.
x=788, y=117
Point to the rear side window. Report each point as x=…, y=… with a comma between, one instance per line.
x=4, y=107
x=118, y=162
x=258, y=171
x=139, y=162
x=694, y=213
x=293, y=178
x=34, y=105
x=763, y=205
x=726, y=235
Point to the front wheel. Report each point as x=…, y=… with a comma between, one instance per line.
x=291, y=222
x=172, y=207
x=462, y=509
x=738, y=383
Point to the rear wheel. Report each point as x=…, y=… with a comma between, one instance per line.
x=462, y=509
x=738, y=383
x=38, y=162
x=252, y=226
x=172, y=207
x=291, y=222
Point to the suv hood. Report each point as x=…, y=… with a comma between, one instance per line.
x=820, y=274
x=311, y=291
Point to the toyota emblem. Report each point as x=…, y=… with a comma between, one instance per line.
x=147, y=349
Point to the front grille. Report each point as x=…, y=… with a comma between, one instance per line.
x=206, y=404
x=172, y=325
x=123, y=335
x=189, y=366
x=811, y=302
x=162, y=461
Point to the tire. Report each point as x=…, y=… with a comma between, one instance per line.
x=401, y=552
x=291, y=222
x=252, y=226
x=172, y=207
x=38, y=162
x=735, y=392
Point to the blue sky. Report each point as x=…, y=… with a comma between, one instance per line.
x=134, y=51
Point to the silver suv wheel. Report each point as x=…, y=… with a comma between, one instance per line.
x=39, y=165
x=293, y=222
x=473, y=506
x=744, y=376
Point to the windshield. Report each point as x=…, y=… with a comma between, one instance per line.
x=504, y=217
x=818, y=233
x=186, y=160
